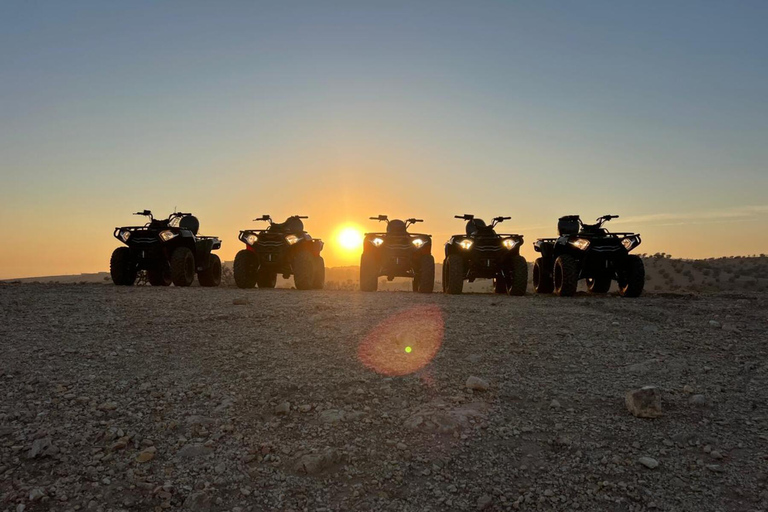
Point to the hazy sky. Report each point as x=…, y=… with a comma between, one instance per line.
x=657, y=111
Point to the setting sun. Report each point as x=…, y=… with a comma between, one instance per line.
x=350, y=238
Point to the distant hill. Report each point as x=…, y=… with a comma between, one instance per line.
x=663, y=274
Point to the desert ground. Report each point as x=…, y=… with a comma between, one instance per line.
x=222, y=399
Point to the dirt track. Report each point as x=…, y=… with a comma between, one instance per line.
x=115, y=398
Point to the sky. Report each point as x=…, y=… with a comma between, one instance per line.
x=655, y=111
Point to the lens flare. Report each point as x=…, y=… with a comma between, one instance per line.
x=405, y=342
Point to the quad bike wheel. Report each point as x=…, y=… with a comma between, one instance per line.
x=369, y=276
x=318, y=282
x=599, y=284
x=160, y=276
x=519, y=283
x=121, y=268
x=303, y=271
x=426, y=276
x=266, y=279
x=566, y=275
x=182, y=267
x=632, y=277
x=212, y=275
x=245, y=269
x=455, y=274
x=543, y=281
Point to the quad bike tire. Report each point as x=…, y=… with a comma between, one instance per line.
x=543, y=280
x=318, y=281
x=121, y=268
x=632, y=277
x=160, y=276
x=369, y=275
x=425, y=280
x=211, y=276
x=303, y=271
x=265, y=279
x=182, y=267
x=455, y=274
x=566, y=275
x=599, y=284
x=519, y=283
x=245, y=269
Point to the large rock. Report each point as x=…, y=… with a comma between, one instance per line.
x=331, y=416
x=194, y=450
x=440, y=418
x=477, y=384
x=314, y=463
x=644, y=402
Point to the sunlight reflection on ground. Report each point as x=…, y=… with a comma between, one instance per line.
x=405, y=342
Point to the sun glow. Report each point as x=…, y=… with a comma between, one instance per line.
x=350, y=238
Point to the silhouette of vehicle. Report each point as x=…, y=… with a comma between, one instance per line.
x=591, y=252
x=482, y=253
x=283, y=248
x=397, y=253
x=170, y=250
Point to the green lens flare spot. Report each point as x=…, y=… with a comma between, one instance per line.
x=408, y=350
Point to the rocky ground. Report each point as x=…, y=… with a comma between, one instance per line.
x=220, y=399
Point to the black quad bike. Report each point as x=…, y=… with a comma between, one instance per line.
x=170, y=250
x=283, y=248
x=397, y=253
x=591, y=252
x=483, y=253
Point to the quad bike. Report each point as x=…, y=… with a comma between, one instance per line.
x=283, y=248
x=483, y=253
x=591, y=252
x=397, y=253
x=170, y=251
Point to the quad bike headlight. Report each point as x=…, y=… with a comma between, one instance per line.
x=580, y=243
x=291, y=239
x=125, y=235
x=509, y=243
x=167, y=235
x=418, y=242
x=466, y=244
x=377, y=241
x=251, y=239
x=630, y=242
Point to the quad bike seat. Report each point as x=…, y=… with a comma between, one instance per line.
x=475, y=225
x=396, y=227
x=568, y=225
x=291, y=225
x=593, y=229
x=191, y=223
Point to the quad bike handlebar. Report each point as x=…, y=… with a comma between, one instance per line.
x=146, y=213
x=385, y=218
x=466, y=216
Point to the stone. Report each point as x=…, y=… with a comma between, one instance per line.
x=194, y=450
x=688, y=389
x=305, y=408
x=699, y=400
x=36, y=494
x=554, y=404
x=331, y=416
x=477, y=384
x=648, y=462
x=240, y=302
x=715, y=324
x=146, y=454
x=42, y=447
x=283, y=409
x=483, y=502
x=314, y=463
x=644, y=402
x=435, y=417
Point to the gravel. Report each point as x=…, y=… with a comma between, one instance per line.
x=219, y=399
